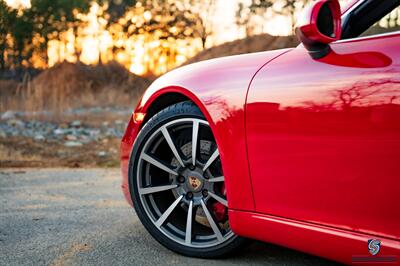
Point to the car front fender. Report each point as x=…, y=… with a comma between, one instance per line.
x=219, y=88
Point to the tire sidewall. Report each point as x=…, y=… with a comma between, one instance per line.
x=174, y=112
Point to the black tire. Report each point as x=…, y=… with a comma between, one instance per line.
x=172, y=113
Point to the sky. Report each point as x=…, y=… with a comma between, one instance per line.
x=226, y=29
x=18, y=3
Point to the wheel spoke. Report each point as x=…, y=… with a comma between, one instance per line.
x=165, y=215
x=162, y=154
x=213, y=225
x=211, y=160
x=149, y=190
x=217, y=179
x=158, y=164
x=188, y=236
x=195, y=134
x=218, y=198
x=172, y=145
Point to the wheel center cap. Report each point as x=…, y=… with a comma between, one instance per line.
x=195, y=184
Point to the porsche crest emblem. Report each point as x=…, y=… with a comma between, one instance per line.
x=194, y=182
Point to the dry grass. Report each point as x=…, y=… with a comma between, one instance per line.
x=8, y=92
x=68, y=85
x=258, y=43
x=7, y=154
x=25, y=152
x=8, y=87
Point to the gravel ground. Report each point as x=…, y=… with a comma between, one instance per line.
x=79, y=217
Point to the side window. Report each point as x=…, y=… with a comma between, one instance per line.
x=389, y=23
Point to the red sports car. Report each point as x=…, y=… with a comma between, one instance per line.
x=298, y=147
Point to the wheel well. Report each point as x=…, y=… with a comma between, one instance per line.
x=162, y=102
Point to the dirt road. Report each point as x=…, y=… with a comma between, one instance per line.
x=79, y=217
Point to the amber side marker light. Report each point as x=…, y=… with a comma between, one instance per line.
x=138, y=117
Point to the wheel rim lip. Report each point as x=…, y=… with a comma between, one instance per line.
x=213, y=238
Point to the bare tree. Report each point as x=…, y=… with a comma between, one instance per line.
x=244, y=14
x=290, y=8
x=204, y=11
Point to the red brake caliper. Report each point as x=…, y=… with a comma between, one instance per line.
x=220, y=211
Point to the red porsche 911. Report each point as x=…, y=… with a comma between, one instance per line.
x=299, y=147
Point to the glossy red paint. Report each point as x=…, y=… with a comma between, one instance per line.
x=324, y=144
x=218, y=87
x=310, y=147
x=329, y=242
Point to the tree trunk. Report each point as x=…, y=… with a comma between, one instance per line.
x=45, y=56
x=3, y=47
x=2, y=59
x=19, y=58
x=203, y=41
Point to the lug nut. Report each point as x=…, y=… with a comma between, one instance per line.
x=189, y=195
x=205, y=175
x=191, y=167
x=181, y=179
x=205, y=193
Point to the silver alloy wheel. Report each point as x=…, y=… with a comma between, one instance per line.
x=182, y=205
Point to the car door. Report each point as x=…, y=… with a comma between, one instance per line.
x=324, y=136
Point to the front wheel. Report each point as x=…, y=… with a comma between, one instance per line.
x=177, y=184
